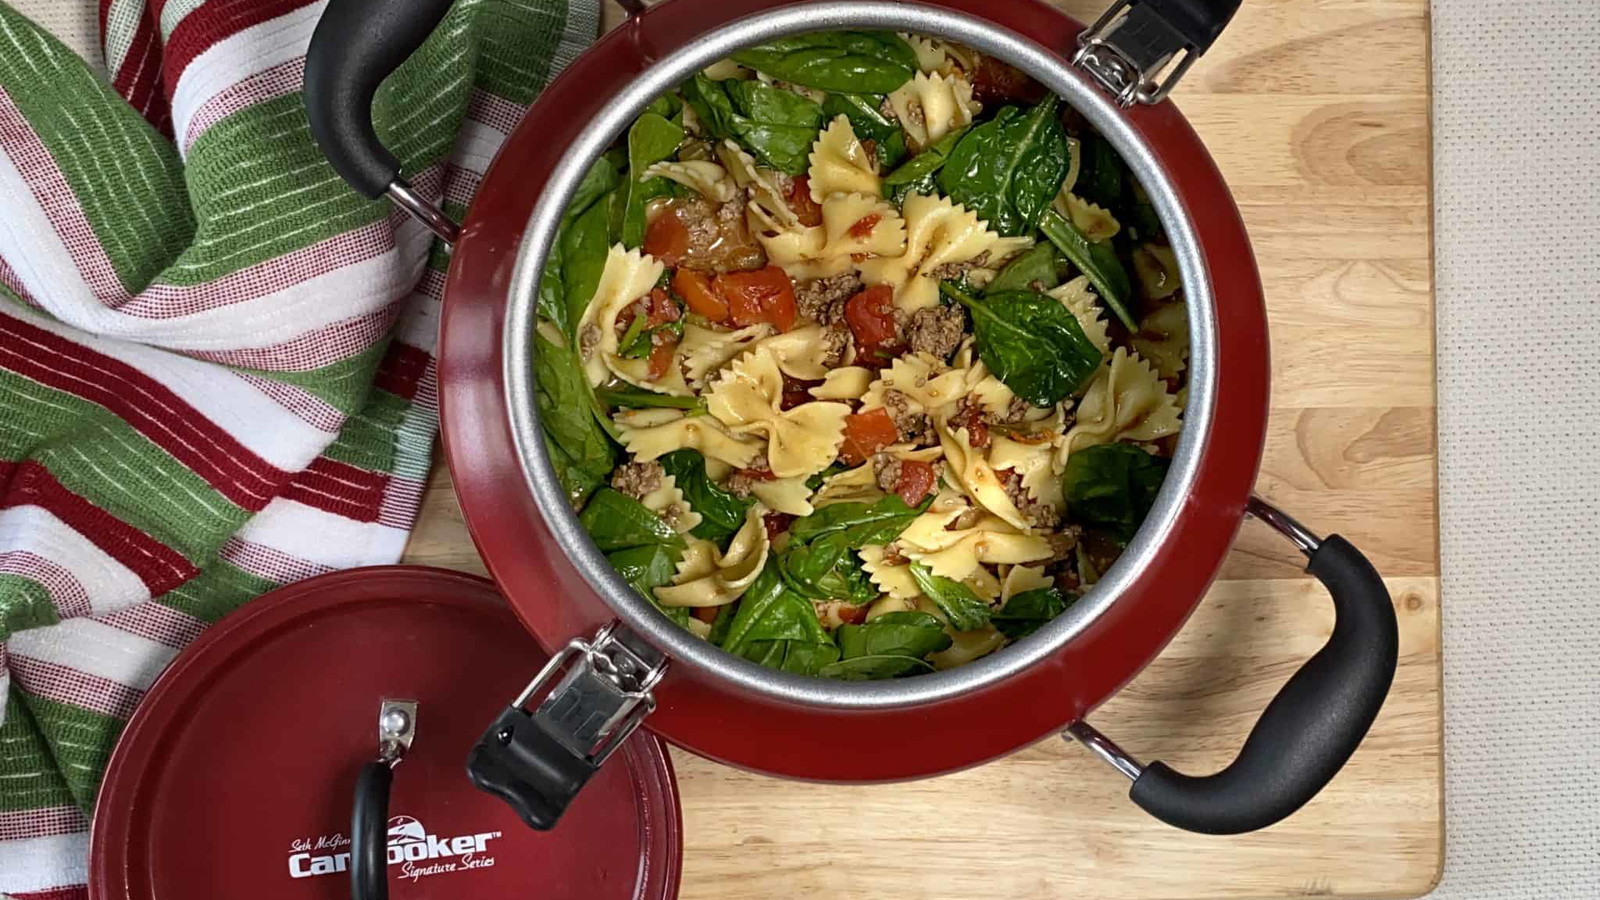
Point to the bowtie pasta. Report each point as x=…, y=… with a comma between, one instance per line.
x=862, y=358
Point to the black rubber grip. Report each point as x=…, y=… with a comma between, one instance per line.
x=1199, y=21
x=357, y=44
x=536, y=775
x=369, y=834
x=1307, y=733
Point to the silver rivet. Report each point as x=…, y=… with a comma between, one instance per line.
x=395, y=722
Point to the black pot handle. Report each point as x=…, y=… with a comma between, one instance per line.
x=1309, y=730
x=369, y=833
x=357, y=44
x=1138, y=49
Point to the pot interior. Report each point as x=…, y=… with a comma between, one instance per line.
x=1045, y=65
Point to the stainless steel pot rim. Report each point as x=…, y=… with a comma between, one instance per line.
x=684, y=648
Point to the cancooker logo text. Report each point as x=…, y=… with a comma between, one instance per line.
x=418, y=852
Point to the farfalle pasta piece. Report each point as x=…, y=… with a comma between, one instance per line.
x=970, y=469
x=841, y=165
x=1034, y=461
x=924, y=381
x=747, y=399
x=1021, y=579
x=853, y=226
x=652, y=433
x=844, y=383
x=622, y=283
x=668, y=502
x=1079, y=298
x=769, y=197
x=627, y=276
x=700, y=175
x=1124, y=402
x=941, y=57
x=1095, y=221
x=1074, y=165
x=938, y=233
x=967, y=646
x=704, y=351
x=798, y=352
x=957, y=552
x=709, y=577
x=893, y=579
x=784, y=495
x=931, y=106
x=1163, y=339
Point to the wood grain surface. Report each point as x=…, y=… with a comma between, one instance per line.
x=1317, y=112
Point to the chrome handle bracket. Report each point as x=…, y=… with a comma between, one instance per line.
x=1283, y=523
x=1134, y=53
x=424, y=210
x=603, y=694
x=397, y=728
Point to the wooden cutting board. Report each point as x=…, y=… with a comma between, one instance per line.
x=1317, y=112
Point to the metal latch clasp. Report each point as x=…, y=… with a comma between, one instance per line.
x=603, y=695
x=1131, y=51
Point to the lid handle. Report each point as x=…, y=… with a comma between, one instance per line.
x=369, y=817
x=538, y=761
x=1134, y=49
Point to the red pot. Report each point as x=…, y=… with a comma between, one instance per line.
x=724, y=708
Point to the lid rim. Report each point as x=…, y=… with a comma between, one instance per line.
x=123, y=798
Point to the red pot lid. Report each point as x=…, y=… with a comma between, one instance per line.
x=236, y=774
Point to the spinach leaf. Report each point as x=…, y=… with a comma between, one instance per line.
x=869, y=124
x=1028, y=611
x=1008, y=169
x=957, y=601
x=578, y=481
x=584, y=244
x=651, y=139
x=646, y=567
x=1112, y=487
x=1098, y=261
x=616, y=521
x=711, y=104
x=634, y=398
x=642, y=548
x=815, y=481
x=922, y=167
x=721, y=513
x=1099, y=172
x=565, y=287
x=776, y=126
x=1039, y=265
x=1030, y=342
x=566, y=415
x=799, y=657
x=820, y=560
x=827, y=569
x=769, y=611
x=888, y=646
x=861, y=523
x=875, y=62
x=666, y=106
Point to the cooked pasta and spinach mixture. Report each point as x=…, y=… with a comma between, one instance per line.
x=861, y=355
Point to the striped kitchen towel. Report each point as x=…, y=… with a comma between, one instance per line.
x=216, y=361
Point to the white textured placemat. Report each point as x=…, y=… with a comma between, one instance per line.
x=1517, y=230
